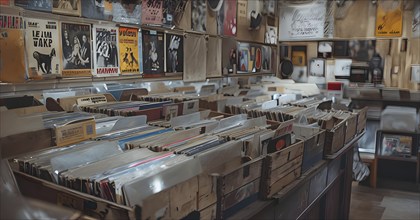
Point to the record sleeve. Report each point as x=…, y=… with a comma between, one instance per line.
x=153, y=60
x=227, y=18
x=42, y=48
x=389, y=18
x=198, y=15
x=266, y=58
x=105, y=49
x=254, y=14
x=127, y=11
x=95, y=9
x=12, y=68
x=270, y=35
x=249, y=58
x=128, y=47
x=76, y=49
x=229, y=53
x=38, y=5
x=67, y=7
x=174, y=53
x=172, y=11
x=195, y=58
x=152, y=12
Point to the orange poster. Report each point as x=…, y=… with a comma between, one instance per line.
x=389, y=18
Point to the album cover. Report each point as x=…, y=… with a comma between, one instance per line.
x=174, y=53
x=278, y=143
x=172, y=11
x=128, y=50
x=42, y=48
x=67, y=7
x=266, y=58
x=269, y=7
x=270, y=35
x=105, y=51
x=199, y=15
x=254, y=14
x=38, y=5
x=12, y=68
x=249, y=58
x=389, y=18
x=152, y=12
x=229, y=59
x=97, y=9
x=76, y=49
x=361, y=50
x=153, y=60
x=129, y=12
x=227, y=18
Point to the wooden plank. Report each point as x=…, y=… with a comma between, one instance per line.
x=289, y=178
x=156, y=206
x=282, y=171
x=183, y=198
x=281, y=157
x=209, y=213
x=26, y=142
x=241, y=176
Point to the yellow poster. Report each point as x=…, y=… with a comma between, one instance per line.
x=389, y=18
x=129, y=53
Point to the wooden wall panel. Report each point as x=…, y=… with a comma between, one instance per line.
x=359, y=21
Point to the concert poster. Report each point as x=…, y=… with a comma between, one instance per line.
x=42, y=48
x=174, y=53
x=152, y=12
x=105, y=51
x=128, y=47
x=76, y=49
x=153, y=56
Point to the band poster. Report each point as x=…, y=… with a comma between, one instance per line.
x=153, y=56
x=152, y=12
x=389, y=19
x=76, y=49
x=105, y=51
x=42, y=47
x=129, y=54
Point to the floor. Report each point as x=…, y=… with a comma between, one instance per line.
x=369, y=203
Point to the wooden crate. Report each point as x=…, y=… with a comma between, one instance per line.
x=334, y=138
x=238, y=188
x=209, y=213
x=361, y=119
x=351, y=128
x=313, y=150
x=280, y=169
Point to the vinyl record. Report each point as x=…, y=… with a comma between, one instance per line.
x=286, y=68
x=279, y=143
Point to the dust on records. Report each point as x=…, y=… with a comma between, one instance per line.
x=129, y=12
x=128, y=47
x=97, y=9
x=76, y=49
x=106, y=51
x=153, y=60
x=67, y=7
x=42, y=46
x=152, y=12
x=38, y=5
x=198, y=15
x=174, y=53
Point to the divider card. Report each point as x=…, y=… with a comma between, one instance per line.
x=174, y=53
x=128, y=47
x=105, y=51
x=76, y=49
x=153, y=56
x=42, y=48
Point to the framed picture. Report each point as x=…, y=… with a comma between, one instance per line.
x=396, y=144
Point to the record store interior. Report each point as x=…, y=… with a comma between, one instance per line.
x=210, y=109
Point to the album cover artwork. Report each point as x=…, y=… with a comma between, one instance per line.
x=389, y=18
x=229, y=59
x=278, y=143
x=97, y=9
x=174, y=53
x=153, y=47
x=42, y=48
x=38, y=5
x=266, y=58
x=270, y=35
x=249, y=58
x=129, y=12
x=226, y=18
x=67, y=7
x=128, y=50
x=152, y=12
x=105, y=51
x=199, y=15
x=172, y=11
x=76, y=49
x=254, y=14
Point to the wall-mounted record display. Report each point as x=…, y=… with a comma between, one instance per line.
x=129, y=12
x=67, y=7
x=153, y=55
x=174, y=45
x=128, y=47
x=40, y=5
x=105, y=51
x=249, y=58
x=76, y=49
x=152, y=12
x=95, y=9
x=198, y=15
x=42, y=48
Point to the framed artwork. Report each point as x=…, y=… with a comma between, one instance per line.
x=396, y=144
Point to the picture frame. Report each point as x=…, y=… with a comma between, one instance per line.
x=396, y=144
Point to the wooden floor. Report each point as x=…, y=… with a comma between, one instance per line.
x=369, y=203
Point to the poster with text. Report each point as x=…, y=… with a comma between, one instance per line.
x=38, y=5
x=389, y=18
x=227, y=19
x=152, y=12
x=42, y=48
x=76, y=49
x=199, y=15
x=95, y=9
x=105, y=51
x=174, y=54
x=153, y=56
x=415, y=26
x=129, y=12
x=305, y=21
x=128, y=48
x=67, y=7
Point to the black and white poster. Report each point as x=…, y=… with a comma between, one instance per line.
x=76, y=49
x=254, y=14
x=174, y=53
x=38, y=5
x=67, y=7
x=129, y=12
x=97, y=9
x=105, y=51
x=270, y=35
x=42, y=48
x=153, y=53
x=266, y=58
x=199, y=15
x=229, y=52
x=172, y=11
